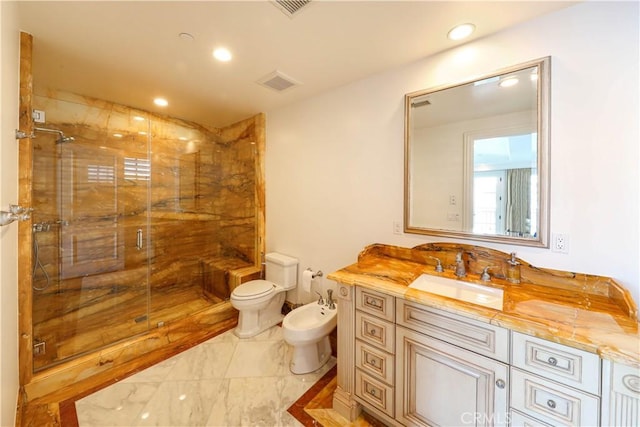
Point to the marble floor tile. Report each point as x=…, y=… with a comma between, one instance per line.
x=205, y=361
x=182, y=403
x=117, y=405
x=225, y=381
x=259, y=359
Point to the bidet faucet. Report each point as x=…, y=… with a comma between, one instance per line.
x=330, y=302
x=321, y=300
x=461, y=271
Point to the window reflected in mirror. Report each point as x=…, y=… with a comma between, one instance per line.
x=504, y=178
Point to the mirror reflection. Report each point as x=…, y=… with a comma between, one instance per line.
x=476, y=157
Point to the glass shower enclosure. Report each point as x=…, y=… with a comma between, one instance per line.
x=137, y=221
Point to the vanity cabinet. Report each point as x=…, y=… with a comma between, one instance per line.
x=412, y=358
x=439, y=383
x=416, y=365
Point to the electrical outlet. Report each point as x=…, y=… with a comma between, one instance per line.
x=397, y=227
x=560, y=243
x=452, y=199
x=453, y=216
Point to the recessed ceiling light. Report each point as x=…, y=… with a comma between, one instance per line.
x=509, y=81
x=222, y=54
x=161, y=102
x=461, y=31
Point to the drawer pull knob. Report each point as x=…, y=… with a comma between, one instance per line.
x=552, y=361
x=372, y=362
x=372, y=392
x=500, y=384
x=372, y=302
x=373, y=332
x=551, y=404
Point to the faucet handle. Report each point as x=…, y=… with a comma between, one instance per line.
x=321, y=300
x=330, y=302
x=485, y=277
x=439, y=268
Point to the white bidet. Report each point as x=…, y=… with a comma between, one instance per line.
x=307, y=330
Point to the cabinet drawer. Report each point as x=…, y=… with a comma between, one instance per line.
x=518, y=419
x=551, y=402
x=376, y=303
x=375, y=331
x=482, y=338
x=375, y=393
x=576, y=368
x=374, y=362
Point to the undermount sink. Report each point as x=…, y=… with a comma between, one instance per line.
x=457, y=289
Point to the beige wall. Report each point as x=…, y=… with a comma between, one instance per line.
x=9, y=81
x=334, y=163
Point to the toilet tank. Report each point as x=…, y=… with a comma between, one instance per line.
x=281, y=270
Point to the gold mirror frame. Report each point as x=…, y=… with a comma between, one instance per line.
x=541, y=239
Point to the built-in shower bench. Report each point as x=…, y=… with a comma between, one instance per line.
x=221, y=275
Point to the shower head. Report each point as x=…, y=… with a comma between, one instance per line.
x=61, y=137
x=65, y=139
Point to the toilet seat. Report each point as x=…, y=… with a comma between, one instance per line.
x=253, y=289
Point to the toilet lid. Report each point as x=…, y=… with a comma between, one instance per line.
x=253, y=288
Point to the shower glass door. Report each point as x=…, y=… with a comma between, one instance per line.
x=91, y=232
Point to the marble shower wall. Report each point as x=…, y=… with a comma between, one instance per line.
x=190, y=192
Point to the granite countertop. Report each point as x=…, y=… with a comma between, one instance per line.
x=592, y=313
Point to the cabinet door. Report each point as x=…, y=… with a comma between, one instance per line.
x=439, y=384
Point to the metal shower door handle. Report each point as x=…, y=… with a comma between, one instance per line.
x=139, y=239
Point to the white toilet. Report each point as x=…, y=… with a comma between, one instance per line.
x=307, y=330
x=260, y=301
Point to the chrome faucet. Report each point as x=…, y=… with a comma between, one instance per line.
x=330, y=302
x=460, y=270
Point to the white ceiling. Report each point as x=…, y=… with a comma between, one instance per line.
x=129, y=52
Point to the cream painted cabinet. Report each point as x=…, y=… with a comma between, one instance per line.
x=620, y=395
x=441, y=384
x=417, y=365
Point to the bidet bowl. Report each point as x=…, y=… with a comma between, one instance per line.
x=308, y=323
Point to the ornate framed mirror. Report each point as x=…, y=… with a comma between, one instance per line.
x=477, y=157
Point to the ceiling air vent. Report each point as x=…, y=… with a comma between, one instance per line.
x=278, y=81
x=290, y=7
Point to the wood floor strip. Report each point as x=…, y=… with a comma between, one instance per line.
x=298, y=407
